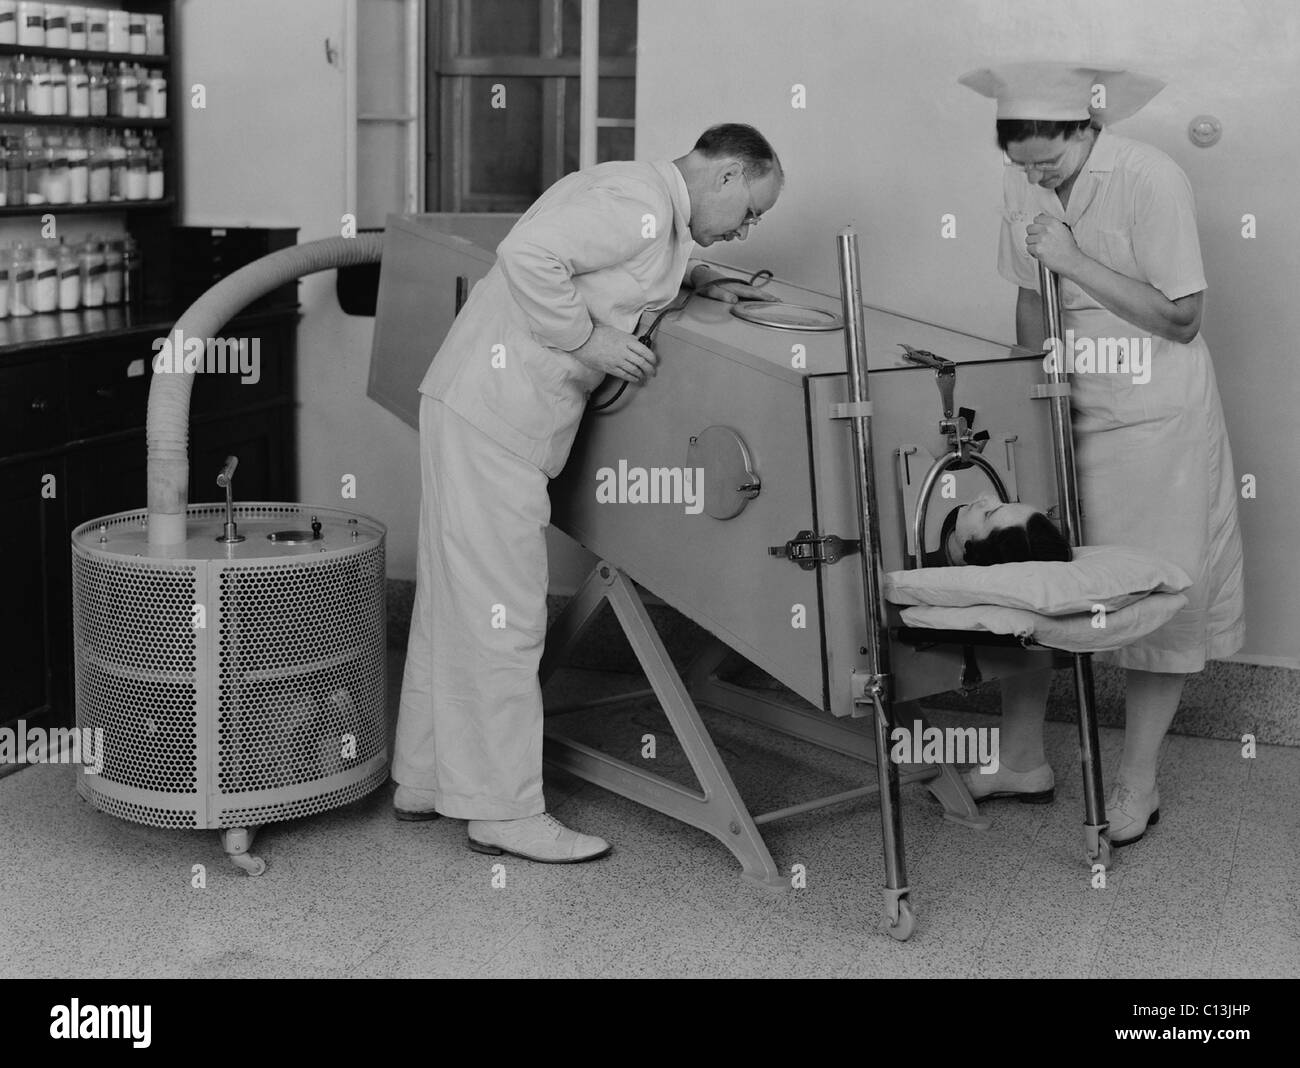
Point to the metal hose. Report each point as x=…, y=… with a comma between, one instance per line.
x=168, y=421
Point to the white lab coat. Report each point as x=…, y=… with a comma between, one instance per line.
x=502, y=402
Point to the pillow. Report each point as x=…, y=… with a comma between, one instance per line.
x=1109, y=575
x=1072, y=633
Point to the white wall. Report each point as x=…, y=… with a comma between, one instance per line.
x=271, y=149
x=889, y=142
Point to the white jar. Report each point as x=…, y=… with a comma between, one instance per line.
x=154, y=35
x=136, y=31
x=119, y=31
x=76, y=26
x=56, y=25
x=157, y=95
x=31, y=23
x=8, y=21
x=96, y=29
x=78, y=89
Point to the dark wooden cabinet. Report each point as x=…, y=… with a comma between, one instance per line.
x=72, y=448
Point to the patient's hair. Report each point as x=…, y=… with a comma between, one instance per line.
x=1038, y=539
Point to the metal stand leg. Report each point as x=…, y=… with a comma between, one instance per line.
x=899, y=918
x=1096, y=842
x=719, y=809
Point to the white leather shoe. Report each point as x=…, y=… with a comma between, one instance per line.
x=410, y=803
x=1130, y=813
x=542, y=838
x=1034, y=787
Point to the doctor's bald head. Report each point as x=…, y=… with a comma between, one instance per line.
x=734, y=177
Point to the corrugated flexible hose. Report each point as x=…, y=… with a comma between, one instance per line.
x=168, y=422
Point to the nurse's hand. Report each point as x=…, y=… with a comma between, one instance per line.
x=1052, y=243
x=613, y=352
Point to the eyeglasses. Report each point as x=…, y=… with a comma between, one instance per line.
x=1040, y=165
x=752, y=217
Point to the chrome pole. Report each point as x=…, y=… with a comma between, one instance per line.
x=898, y=908
x=1096, y=843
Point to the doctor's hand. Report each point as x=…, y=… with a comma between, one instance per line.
x=702, y=281
x=1052, y=243
x=613, y=352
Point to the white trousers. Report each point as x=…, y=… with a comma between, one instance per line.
x=469, y=726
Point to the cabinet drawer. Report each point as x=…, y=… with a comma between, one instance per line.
x=33, y=412
x=108, y=388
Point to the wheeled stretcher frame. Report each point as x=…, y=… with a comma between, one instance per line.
x=717, y=806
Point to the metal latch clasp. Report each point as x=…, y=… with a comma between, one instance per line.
x=808, y=549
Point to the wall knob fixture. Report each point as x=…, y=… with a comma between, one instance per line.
x=1204, y=131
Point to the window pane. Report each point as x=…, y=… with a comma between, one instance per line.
x=381, y=171
x=500, y=28
x=617, y=98
x=381, y=54
x=617, y=28
x=615, y=142
x=504, y=143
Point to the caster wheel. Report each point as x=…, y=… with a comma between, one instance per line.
x=250, y=864
x=902, y=930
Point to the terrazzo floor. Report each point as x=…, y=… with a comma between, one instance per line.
x=1213, y=891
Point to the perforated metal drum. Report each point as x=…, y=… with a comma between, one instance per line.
x=235, y=684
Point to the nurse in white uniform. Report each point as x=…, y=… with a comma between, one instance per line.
x=501, y=405
x=1115, y=219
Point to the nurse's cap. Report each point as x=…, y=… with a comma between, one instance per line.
x=1063, y=92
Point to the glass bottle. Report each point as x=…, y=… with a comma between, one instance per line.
x=157, y=94
x=39, y=99
x=90, y=257
x=20, y=281
x=37, y=166
x=132, y=272
x=128, y=92
x=6, y=85
x=116, y=152
x=58, y=88
x=22, y=80
x=45, y=281
x=56, y=182
x=15, y=172
x=99, y=170
x=113, y=272
x=137, y=168
x=98, y=90
x=78, y=169
x=4, y=281
x=154, y=153
x=78, y=89
x=69, y=279
x=143, y=97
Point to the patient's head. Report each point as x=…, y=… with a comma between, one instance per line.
x=987, y=531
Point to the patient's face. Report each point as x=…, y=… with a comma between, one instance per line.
x=978, y=519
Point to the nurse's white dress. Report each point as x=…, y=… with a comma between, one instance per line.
x=1153, y=459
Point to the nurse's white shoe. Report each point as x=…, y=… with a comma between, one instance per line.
x=1034, y=787
x=1130, y=813
x=542, y=838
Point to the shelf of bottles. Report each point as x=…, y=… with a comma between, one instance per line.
x=83, y=109
x=83, y=128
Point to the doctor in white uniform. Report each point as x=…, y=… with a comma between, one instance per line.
x=500, y=407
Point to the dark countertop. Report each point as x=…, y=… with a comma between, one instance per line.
x=89, y=326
